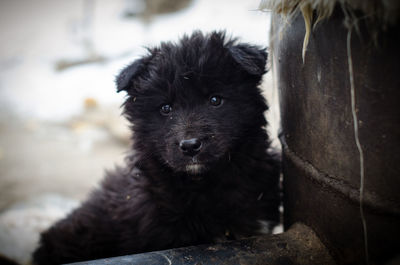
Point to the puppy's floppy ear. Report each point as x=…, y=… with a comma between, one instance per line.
x=126, y=79
x=251, y=58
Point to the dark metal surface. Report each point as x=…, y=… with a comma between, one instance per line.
x=298, y=246
x=321, y=161
x=372, y=201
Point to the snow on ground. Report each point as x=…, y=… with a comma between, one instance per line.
x=60, y=124
x=22, y=223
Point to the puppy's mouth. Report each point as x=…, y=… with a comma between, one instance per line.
x=195, y=168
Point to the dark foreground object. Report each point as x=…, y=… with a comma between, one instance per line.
x=321, y=160
x=299, y=246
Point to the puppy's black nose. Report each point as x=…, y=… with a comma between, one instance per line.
x=190, y=147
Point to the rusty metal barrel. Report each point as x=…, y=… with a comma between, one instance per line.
x=341, y=129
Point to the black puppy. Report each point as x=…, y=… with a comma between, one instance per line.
x=199, y=169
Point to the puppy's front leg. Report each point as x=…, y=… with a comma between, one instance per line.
x=85, y=234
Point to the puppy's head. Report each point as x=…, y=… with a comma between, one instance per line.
x=193, y=103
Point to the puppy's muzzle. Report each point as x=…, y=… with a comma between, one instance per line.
x=190, y=147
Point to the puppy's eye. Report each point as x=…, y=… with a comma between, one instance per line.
x=166, y=109
x=215, y=101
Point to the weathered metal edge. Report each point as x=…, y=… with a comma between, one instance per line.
x=297, y=246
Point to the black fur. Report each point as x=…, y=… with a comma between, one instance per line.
x=163, y=198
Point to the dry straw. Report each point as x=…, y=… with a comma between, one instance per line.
x=378, y=13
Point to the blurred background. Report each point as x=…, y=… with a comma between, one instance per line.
x=60, y=123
